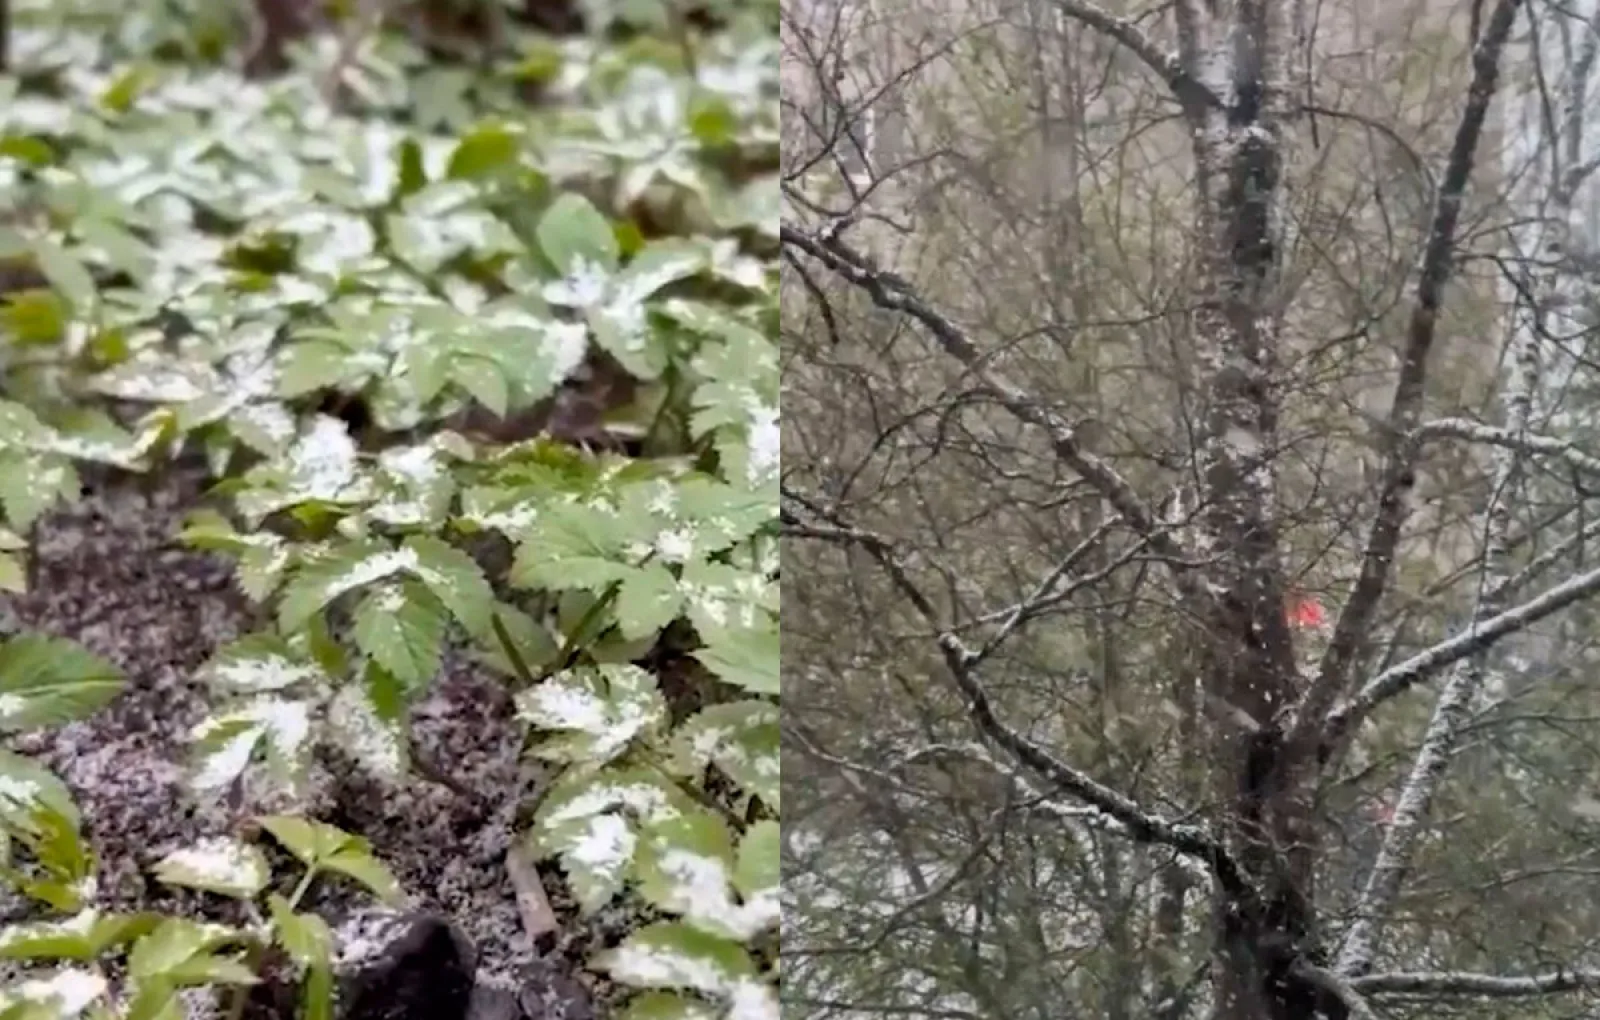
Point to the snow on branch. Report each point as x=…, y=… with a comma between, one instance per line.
x=1492, y=986
x=1424, y=664
x=1461, y=428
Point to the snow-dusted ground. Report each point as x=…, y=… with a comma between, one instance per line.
x=112, y=577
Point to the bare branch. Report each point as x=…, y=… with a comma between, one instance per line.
x=1399, y=472
x=1140, y=824
x=890, y=292
x=1189, y=90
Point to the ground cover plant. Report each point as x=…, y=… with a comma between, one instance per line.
x=388, y=462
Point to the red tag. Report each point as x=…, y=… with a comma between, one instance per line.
x=1305, y=611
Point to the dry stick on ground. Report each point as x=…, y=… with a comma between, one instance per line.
x=538, y=919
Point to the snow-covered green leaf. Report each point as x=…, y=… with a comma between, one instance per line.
x=217, y=864
x=741, y=739
x=671, y=954
x=577, y=239
x=63, y=995
x=595, y=712
x=686, y=866
x=402, y=627
x=367, y=722
x=84, y=937
x=320, y=581
x=591, y=821
x=257, y=664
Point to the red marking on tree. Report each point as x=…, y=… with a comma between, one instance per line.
x=1306, y=611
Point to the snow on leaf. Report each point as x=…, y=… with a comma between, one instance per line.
x=66, y=994
x=686, y=867
x=677, y=956
x=226, y=743
x=375, y=741
x=256, y=664
x=597, y=712
x=218, y=864
x=741, y=739
x=321, y=581
x=589, y=821
x=84, y=936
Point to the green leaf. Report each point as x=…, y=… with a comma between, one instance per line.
x=24, y=784
x=748, y=659
x=402, y=627
x=85, y=936
x=760, y=869
x=305, y=937
x=413, y=175
x=531, y=639
x=576, y=237
x=357, y=862
x=484, y=380
x=66, y=275
x=32, y=484
x=47, y=681
x=741, y=739
x=258, y=664
x=670, y=954
x=455, y=580
x=220, y=865
x=485, y=152
x=172, y=950
x=648, y=600
x=316, y=995
x=310, y=366
x=322, y=846
x=321, y=581
x=597, y=713
x=311, y=842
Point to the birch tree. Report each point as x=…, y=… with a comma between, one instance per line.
x=971, y=388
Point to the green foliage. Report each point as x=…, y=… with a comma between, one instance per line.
x=325, y=302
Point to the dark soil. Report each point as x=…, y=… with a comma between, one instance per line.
x=110, y=575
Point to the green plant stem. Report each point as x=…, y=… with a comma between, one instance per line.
x=302, y=888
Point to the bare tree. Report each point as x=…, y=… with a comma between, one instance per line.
x=1100, y=479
